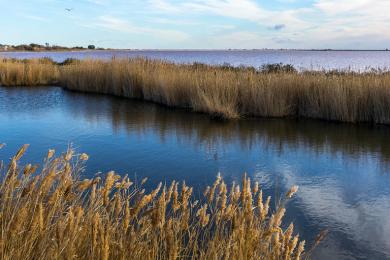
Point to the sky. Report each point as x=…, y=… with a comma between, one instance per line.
x=198, y=24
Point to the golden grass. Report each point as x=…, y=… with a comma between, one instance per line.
x=232, y=93
x=28, y=72
x=54, y=214
x=228, y=92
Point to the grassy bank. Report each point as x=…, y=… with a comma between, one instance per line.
x=228, y=92
x=53, y=214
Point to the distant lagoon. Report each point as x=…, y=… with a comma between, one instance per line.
x=302, y=60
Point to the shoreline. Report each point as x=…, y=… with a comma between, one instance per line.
x=225, y=92
x=200, y=50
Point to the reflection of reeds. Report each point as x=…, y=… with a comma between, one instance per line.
x=136, y=117
x=54, y=214
x=225, y=92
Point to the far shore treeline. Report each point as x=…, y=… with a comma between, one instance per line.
x=274, y=90
x=46, y=47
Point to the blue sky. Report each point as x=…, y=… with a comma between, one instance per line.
x=198, y=24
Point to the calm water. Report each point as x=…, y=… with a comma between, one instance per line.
x=342, y=169
x=314, y=60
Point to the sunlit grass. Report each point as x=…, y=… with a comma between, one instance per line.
x=50, y=212
x=221, y=91
x=34, y=72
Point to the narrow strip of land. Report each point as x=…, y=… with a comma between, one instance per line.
x=221, y=91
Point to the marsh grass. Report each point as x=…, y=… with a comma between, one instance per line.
x=221, y=91
x=239, y=92
x=32, y=72
x=49, y=212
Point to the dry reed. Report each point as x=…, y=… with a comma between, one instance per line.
x=231, y=93
x=54, y=214
x=32, y=72
x=227, y=92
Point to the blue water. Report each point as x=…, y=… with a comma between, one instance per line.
x=342, y=169
x=302, y=60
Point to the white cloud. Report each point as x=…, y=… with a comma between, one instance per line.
x=334, y=6
x=351, y=22
x=116, y=24
x=98, y=2
x=164, y=6
x=238, y=9
x=325, y=23
x=36, y=18
x=241, y=9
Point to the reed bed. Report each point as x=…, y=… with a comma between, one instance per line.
x=228, y=92
x=232, y=93
x=49, y=212
x=32, y=72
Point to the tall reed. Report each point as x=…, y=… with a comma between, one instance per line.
x=221, y=91
x=28, y=72
x=49, y=212
x=232, y=93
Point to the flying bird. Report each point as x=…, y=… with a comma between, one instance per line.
x=68, y=9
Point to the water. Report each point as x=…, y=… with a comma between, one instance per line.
x=302, y=60
x=342, y=169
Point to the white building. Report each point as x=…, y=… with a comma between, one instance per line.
x=3, y=47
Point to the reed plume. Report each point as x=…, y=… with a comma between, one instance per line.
x=55, y=214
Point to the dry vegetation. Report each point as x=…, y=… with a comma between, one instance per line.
x=53, y=214
x=28, y=72
x=228, y=92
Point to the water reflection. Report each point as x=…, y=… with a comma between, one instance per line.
x=342, y=169
x=359, y=223
x=317, y=137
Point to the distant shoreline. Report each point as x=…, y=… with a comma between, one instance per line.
x=33, y=47
x=81, y=50
x=47, y=48
x=185, y=50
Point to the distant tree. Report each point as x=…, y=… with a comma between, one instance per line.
x=34, y=45
x=91, y=47
x=47, y=45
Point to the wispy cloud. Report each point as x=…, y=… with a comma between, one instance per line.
x=36, y=18
x=121, y=25
x=203, y=23
x=241, y=9
x=165, y=6
x=323, y=21
x=248, y=10
x=98, y=2
x=334, y=6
